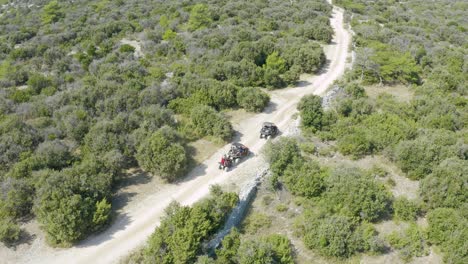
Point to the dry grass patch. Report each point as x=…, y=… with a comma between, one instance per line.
x=400, y=92
x=202, y=149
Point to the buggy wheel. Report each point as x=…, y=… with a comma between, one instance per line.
x=236, y=160
x=267, y=137
x=226, y=168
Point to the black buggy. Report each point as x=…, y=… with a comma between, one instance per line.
x=268, y=130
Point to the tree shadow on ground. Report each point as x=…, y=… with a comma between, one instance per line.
x=24, y=238
x=301, y=84
x=135, y=177
x=325, y=67
x=270, y=108
x=120, y=222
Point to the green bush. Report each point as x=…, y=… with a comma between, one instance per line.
x=229, y=248
x=412, y=243
x=405, y=209
x=53, y=155
x=255, y=222
x=179, y=237
x=38, y=82
x=446, y=185
x=102, y=213
x=252, y=99
x=281, y=153
x=52, y=12
x=355, y=91
x=124, y=48
x=418, y=157
x=21, y=96
x=271, y=249
x=351, y=192
x=17, y=197
x=311, y=111
x=281, y=207
x=339, y=236
x=356, y=144
x=205, y=121
x=304, y=178
x=200, y=17
x=161, y=154
x=66, y=201
x=9, y=230
x=386, y=130
x=448, y=228
x=309, y=57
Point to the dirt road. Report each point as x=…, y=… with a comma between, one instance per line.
x=133, y=227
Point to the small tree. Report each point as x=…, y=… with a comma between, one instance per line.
x=52, y=12
x=446, y=185
x=199, y=17
x=282, y=153
x=205, y=121
x=252, y=99
x=127, y=48
x=311, y=110
x=9, y=231
x=230, y=245
x=405, y=209
x=275, y=62
x=102, y=213
x=351, y=192
x=305, y=178
x=161, y=154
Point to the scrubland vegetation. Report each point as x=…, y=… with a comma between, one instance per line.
x=421, y=45
x=80, y=103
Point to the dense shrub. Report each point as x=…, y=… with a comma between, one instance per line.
x=17, y=198
x=127, y=48
x=352, y=193
x=255, y=222
x=418, y=157
x=67, y=202
x=271, y=249
x=9, y=230
x=339, y=236
x=412, y=243
x=311, y=111
x=356, y=144
x=182, y=231
x=405, y=209
x=304, y=178
x=281, y=153
x=160, y=154
x=199, y=17
x=205, y=121
x=17, y=137
x=448, y=228
x=229, y=248
x=53, y=154
x=446, y=186
x=252, y=99
x=386, y=130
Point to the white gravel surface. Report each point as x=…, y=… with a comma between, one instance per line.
x=138, y=219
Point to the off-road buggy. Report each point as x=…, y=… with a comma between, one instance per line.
x=225, y=163
x=236, y=152
x=268, y=130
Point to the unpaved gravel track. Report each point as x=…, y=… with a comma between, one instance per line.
x=132, y=228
